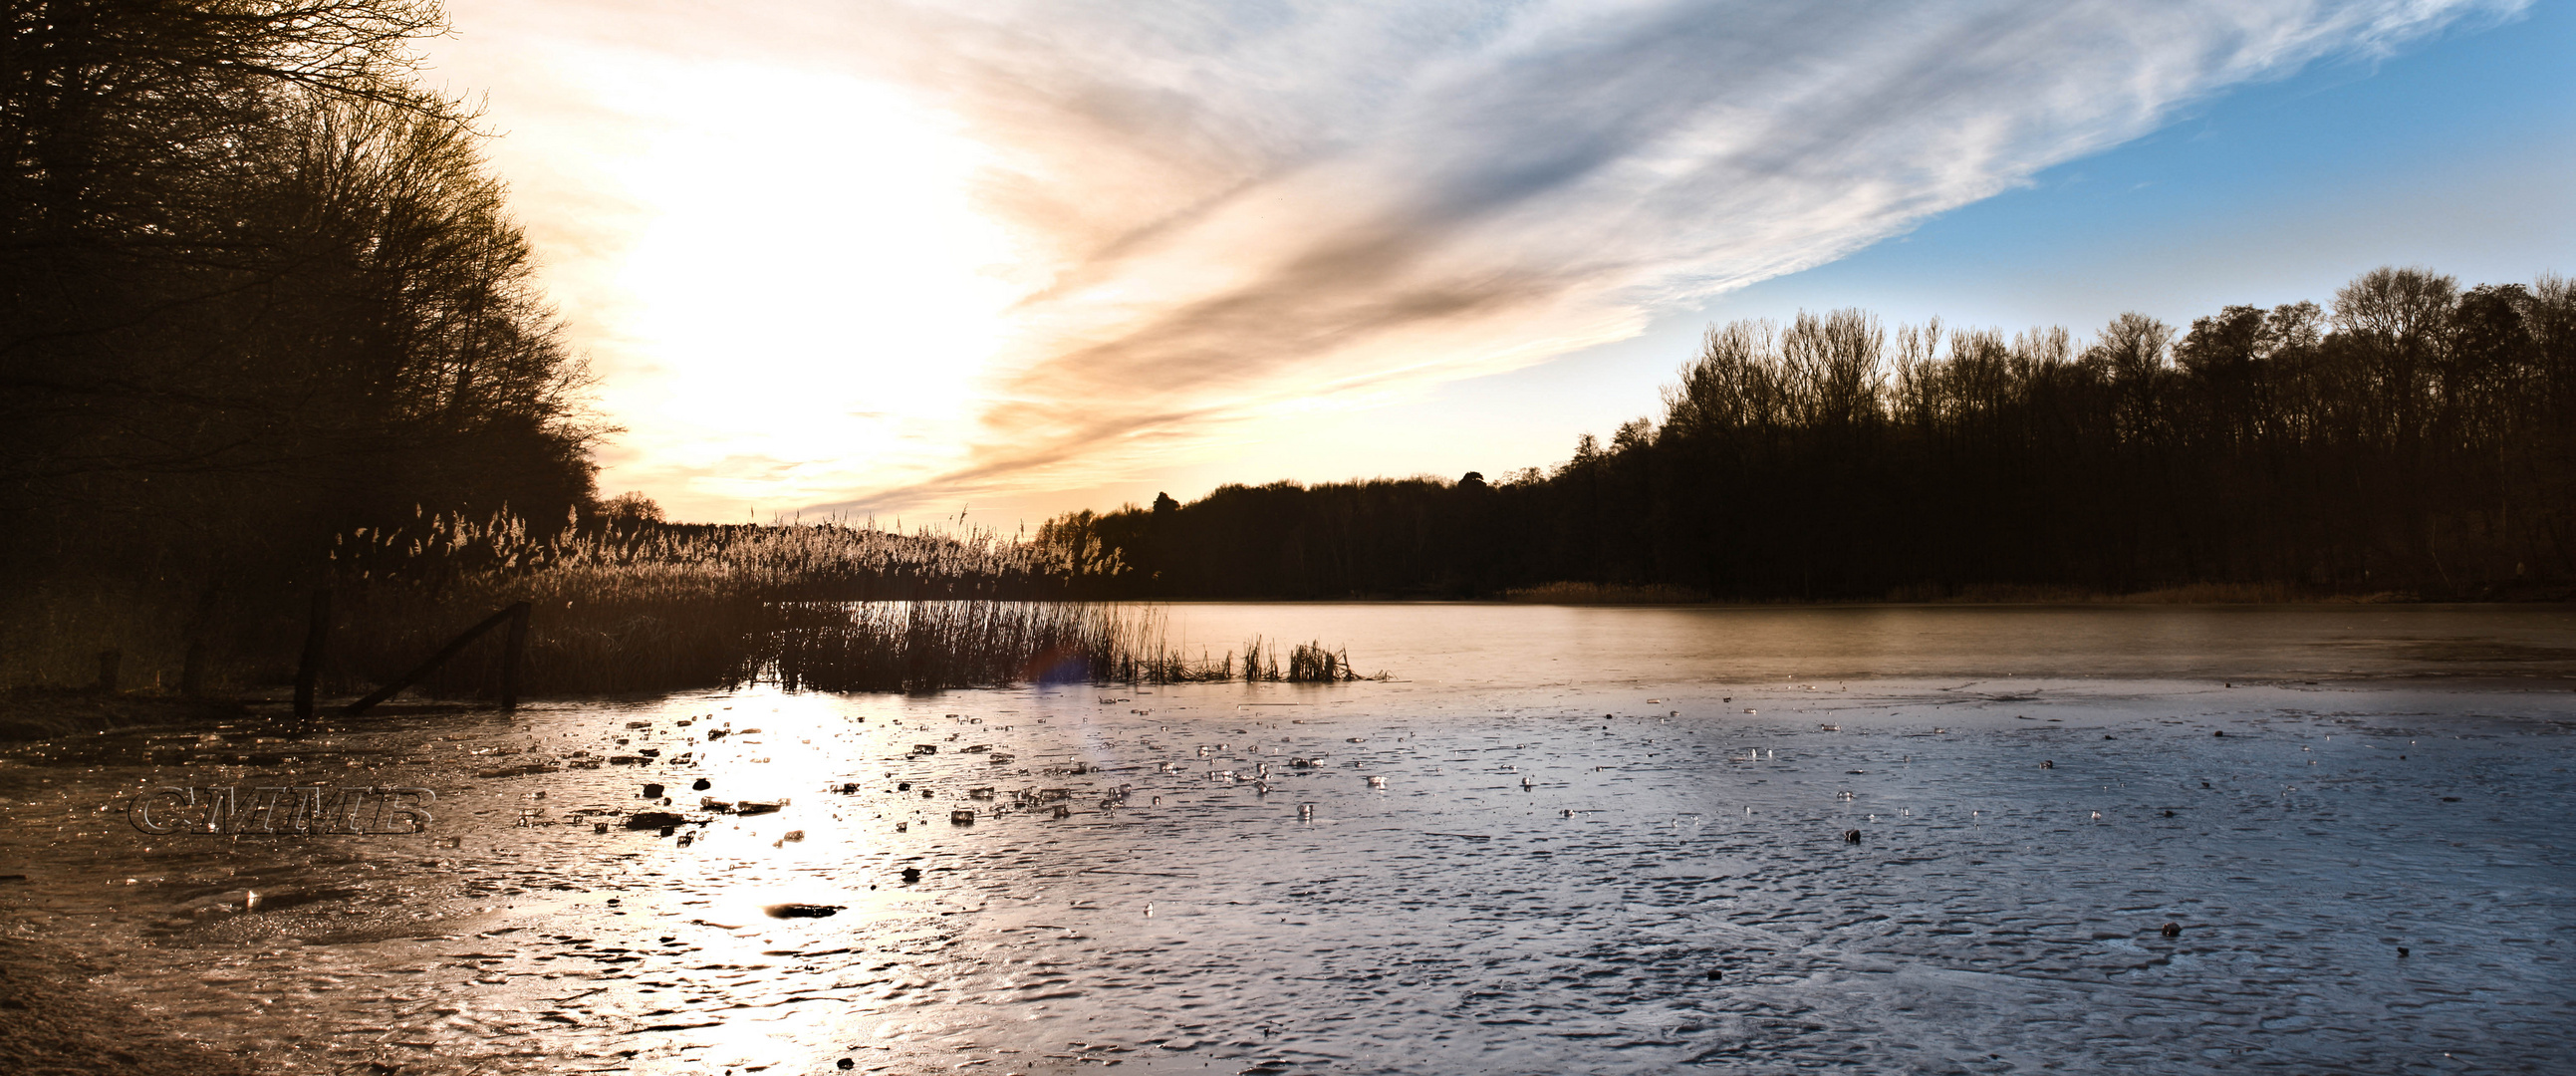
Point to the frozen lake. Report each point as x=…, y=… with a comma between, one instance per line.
x=1559, y=840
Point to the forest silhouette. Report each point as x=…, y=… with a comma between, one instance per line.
x=2412, y=439
x=257, y=288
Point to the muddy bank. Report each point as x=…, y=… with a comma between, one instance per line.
x=53, y=1022
x=53, y=1019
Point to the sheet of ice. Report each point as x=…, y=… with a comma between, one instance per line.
x=1547, y=885
x=1543, y=879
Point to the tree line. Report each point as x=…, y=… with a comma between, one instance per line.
x=257, y=287
x=2411, y=437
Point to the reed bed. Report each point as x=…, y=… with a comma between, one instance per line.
x=930, y=645
x=829, y=561
x=589, y=632
x=917, y=646
x=824, y=607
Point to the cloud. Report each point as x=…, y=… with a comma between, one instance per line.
x=1254, y=206
x=1235, y=210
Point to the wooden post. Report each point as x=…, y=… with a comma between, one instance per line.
x=511, y=654
x=317, y=633
x=192, y=671
x=108, y=660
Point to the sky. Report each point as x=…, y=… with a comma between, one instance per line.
x=1006, y=260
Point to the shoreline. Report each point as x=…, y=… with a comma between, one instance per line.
x=44, y=713
x=56, y=1022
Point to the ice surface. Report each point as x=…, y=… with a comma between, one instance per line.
x=1669, y=888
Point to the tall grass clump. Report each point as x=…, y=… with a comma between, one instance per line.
x=1310, y=663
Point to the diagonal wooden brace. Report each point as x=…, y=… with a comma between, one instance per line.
x=516, y=616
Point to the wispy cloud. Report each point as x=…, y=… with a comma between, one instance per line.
x=1231, y=209
x=1257, y=204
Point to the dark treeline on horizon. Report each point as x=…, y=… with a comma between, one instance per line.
x=257, y=288
x=2410, y=438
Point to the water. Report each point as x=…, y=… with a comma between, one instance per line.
x=1560, y=840
x=1478, y=646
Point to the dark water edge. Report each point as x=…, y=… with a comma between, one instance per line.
x=42, y=713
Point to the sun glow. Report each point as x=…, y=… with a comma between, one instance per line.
x=807, y=296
